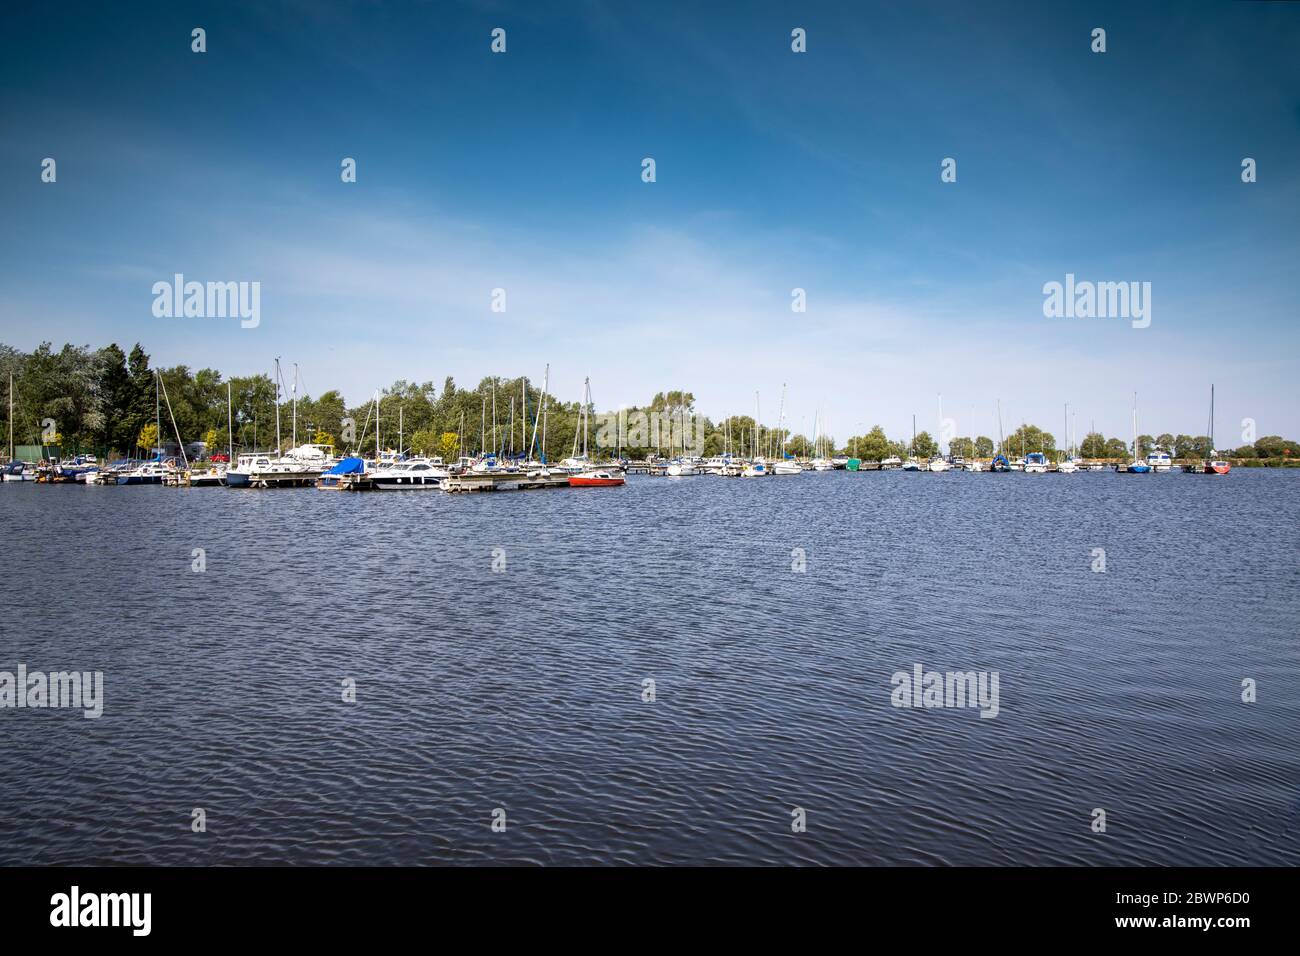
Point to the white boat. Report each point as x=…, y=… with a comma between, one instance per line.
x=20, y=471
x=972, y=465
x=787, y=466
x=415, y=474
x=755, y=469
x=682, y=468
x=938, y=464
x=1160, y=461
x=149, y=473
x=1068, y=464
x=823, y=464
x=893, y=461
x=1035, y=463
x=78, y=469
x=911, y=465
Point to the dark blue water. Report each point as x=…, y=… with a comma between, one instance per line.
x=522, y=689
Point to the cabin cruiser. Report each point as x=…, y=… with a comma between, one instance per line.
x=893, y=461
x=1159, y=461
x=755, y=469
x=149, y=473
x=787, y=466
x=20, y=471
x=972, y=465
x=823, y=464
x=1067, y=466
x=840, y=462
x=415, y=474
x=938, y=464
x=911, y=464
x=297, y=467
x=77, y=469
x=1035, y=463
x=682, y=468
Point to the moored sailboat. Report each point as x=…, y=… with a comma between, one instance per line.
x=1211, y=465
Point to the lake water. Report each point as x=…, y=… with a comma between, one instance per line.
x=522, y=688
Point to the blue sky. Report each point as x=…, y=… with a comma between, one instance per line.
x=775, y=170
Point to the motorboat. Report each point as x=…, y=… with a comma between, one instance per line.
x=414, y=474
x=1159, y=461
x=21, y=471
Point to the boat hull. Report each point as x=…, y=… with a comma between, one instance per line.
x=578, y=481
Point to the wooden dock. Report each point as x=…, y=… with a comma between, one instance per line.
x=502, y=481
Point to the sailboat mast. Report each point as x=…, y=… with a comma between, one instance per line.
x=378, y=453
x=157, y=413
x=277, y=405
x=172, y=415
x=1065, y=435
x=1136, y=451
x=230, y=426
x=940, y=436
x=780, y=421
x=1211, y=415
x=295, y=404
x=11, y=416
x=545, y=382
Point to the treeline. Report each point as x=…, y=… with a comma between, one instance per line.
x=78, y=399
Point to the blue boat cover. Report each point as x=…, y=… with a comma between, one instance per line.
x=348, y=466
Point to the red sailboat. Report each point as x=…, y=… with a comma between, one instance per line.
x=595, y=479
x=1211, y=466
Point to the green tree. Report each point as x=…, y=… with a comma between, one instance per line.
x=1028, y=438
x=1115, y=448
x=148, y=438
x=1274, y=446
x=1094, y=445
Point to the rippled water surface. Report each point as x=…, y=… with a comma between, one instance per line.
x=522, y=689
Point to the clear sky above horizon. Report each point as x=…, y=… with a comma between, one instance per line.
x=775, y=170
